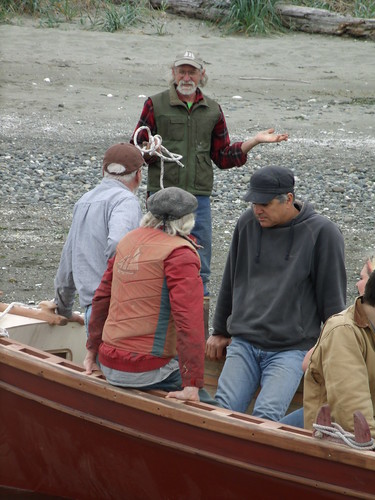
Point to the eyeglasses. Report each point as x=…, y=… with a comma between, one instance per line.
x=190, y=72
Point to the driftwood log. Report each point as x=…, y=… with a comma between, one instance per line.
x=294, y=17
x=209, y=10
x=325, y=22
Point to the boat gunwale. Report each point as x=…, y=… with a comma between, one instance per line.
x=238, y=425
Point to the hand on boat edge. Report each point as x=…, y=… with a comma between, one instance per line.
x=76, y=317
x=49, y=307
x=89, y=363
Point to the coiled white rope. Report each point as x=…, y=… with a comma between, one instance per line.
x=156, y=148
x=336, y=431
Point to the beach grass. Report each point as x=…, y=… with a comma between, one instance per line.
x=251, y=17
x=260, y=16
x=102, y=15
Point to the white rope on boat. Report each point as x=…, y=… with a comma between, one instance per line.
x=156, y=148
x=336, y=431
x=4, y=331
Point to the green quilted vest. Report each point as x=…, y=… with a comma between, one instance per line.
x=187, y=134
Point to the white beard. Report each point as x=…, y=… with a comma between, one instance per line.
x=188, y=88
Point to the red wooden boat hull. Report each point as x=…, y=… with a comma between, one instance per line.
x=69, y=435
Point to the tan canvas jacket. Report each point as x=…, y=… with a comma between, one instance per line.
x=341, y=370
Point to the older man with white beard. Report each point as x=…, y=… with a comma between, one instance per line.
x=193, y=125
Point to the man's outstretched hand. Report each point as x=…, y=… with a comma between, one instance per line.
x=270, y=136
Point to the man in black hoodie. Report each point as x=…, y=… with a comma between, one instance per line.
x=284, y=277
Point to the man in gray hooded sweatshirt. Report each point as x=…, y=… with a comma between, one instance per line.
x=284, y=277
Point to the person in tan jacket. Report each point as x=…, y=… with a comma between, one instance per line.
x=341, y=370
x=296, y=418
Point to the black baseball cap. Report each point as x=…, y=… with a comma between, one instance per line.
x=268, y=182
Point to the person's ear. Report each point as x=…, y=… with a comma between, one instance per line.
x=370, y=267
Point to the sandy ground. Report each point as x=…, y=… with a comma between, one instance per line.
x=301, y=83
x=68, y=87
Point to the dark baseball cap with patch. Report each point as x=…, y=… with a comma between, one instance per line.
x=268, y=182
x=171, y=203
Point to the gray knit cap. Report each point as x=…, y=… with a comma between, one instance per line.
x=171, y=203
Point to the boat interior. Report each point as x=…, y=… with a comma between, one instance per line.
x=65, y=346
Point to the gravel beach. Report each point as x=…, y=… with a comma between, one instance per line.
x=67, y=94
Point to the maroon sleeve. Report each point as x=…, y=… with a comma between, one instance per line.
x=186, y=297
x=100, y=308
x=147, y=119
x=224, y=154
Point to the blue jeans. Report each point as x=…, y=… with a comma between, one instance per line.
x=203, y=232
x=174, y=383
x=295, y=418
x=87, y=318
x=247, y=367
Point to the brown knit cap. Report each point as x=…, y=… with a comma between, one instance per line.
x=125, y=154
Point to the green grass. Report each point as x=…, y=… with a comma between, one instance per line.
x=115, y=18
x=251, y=17
x=254, y=17
x=105, y=15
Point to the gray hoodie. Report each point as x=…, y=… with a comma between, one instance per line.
x=281, y=283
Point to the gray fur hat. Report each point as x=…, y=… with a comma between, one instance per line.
x=171, y=203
